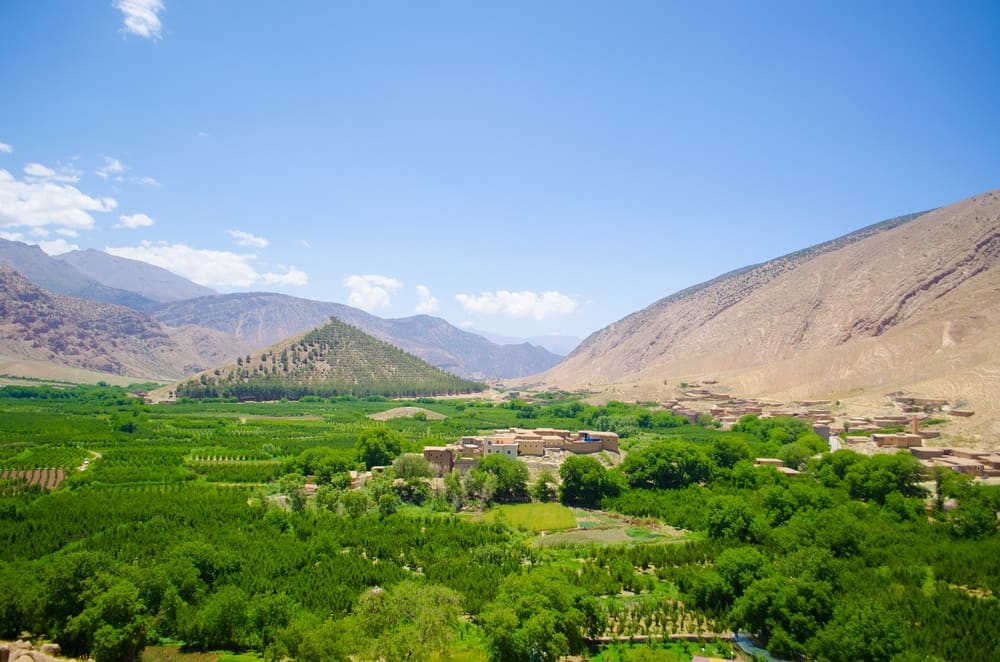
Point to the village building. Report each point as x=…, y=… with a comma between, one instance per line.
x=516, y=442
x=441, y=459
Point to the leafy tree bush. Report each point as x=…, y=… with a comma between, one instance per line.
x=539, y=615
x=511, y=477
x=668, y=464
x=379, y=446
x=585, y=481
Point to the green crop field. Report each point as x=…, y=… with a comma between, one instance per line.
x=533, y=516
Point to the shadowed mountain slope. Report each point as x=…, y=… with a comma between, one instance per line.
x=78, y=333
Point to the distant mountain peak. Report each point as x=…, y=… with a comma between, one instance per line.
x=152, y=282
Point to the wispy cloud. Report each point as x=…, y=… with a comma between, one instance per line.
x=38, y=172
x=292, y=276
x=132, y=221
x=111, y=167
x=141, y=17
x=207, y=267
x=519, y=304
x=57, y=246
x=5, y=148
x=371, y=291
x=246, y=239
x=39, y=201
x=426, y=302
x=147, y=181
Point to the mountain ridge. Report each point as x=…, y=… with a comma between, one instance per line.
x=263, y=318
x=38, y=325
x=152, y=282
x=898, y=305
x=60, y=277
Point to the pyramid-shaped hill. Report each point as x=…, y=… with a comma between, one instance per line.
x=333, y=359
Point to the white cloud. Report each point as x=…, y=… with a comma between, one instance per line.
x=207, y=267
x=519, y=304
x=11, y=236
x=111, y=167
x=67, y=232
x=57, y=246
x=371, y=292
x=132, y=221
x=247, y=239
x=146, y=181
x=303, y=243
x=37, y=172
x=5, y=148
x=141, y=17
x=426, y=303
x=38, y=202
x=292, y=276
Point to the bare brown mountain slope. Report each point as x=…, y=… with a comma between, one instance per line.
x=51, y=328
x=911, y=304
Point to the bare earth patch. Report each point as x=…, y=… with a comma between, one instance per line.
x=406, y=412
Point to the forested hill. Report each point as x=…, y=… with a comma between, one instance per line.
x=333, y=359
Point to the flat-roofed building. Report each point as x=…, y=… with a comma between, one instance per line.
x=441, y=459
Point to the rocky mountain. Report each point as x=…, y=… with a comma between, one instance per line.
x=261, y=318
x=61, y=277
x=333, y=359
x=909, y=304
x=144, y=279
x=38, y=325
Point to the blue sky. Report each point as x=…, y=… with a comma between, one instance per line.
x=520, y=167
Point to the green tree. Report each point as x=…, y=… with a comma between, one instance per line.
x=668, y=464
x=539, y=615
x=730, y=517
x=378, y=446
x=740, y=566
x=545, y=486
x=293, y=487
x=388, y=504
x=356, y=502
x=113, y=624
x=411, y=465
x=511, y=477
x=454, y=491
x=408, y=621
x=585, y=481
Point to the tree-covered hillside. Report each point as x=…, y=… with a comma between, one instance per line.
x=334, y=359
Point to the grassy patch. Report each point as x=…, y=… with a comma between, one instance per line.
x=174, y=654
x=674, y=651
x=534, y=516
